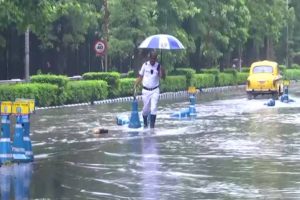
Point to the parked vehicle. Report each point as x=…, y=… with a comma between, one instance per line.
x=264, y=78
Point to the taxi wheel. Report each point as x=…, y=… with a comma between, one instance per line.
x=275, y=96
x=249, y=96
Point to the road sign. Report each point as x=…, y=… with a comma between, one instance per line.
x=100, y=47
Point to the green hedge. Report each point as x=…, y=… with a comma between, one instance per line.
x=173, y=84
x=126, y=86
x=49, y=95
x=225, y=79
x=62, y=91
x=112, y=79
x=231, y=71
x=241, y=78
x=214, y=71
x=44, y=94
x=245, y=69
x=292, y=74
x=295, y=66
x=204, y=80
x=187, y=72
x=59, y=80
x=86, y=91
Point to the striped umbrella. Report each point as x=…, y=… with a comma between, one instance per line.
x=161, y=41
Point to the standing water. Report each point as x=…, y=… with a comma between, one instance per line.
x=235, y=149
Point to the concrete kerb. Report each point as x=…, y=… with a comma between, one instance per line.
x=166, y=95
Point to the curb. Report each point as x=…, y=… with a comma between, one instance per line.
x=166, y=95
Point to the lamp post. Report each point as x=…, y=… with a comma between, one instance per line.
x=287, y=35
x=27, y=73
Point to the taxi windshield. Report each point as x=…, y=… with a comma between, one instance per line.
x=263, y=69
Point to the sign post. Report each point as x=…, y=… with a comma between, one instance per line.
x=100, y=47
x=100, y=50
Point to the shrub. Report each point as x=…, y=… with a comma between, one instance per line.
x=241, y=78
x=173, y=84
x=112, y=79
x=126, y=86
x=49, y=95
x=59, y=80
x=226, y=79
x=245, y=69
x=187, y=72
x=204, y=80
x=131, y=74
x=86, y=91
x=292, y=74
x=44, y=94
x=213, y=71
x=210, y=71
x=231, y=71
x=295, y=66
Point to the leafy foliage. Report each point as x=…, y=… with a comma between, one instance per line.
x=173, y=84
x=86, y=91
x=129, y=28
x=204, y=80
x=44, y=94
x=188, y=72
x=126, y=86
x=213, y=31
x=112, y=79
x=59, y=80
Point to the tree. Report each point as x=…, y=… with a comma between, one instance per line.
x=173, y=17
x=217, y=30
x=129, y=28
x=9, y=14
x=265, y=27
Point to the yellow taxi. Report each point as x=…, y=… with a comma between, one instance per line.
x=264, y=78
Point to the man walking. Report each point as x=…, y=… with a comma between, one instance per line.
x=149, y=75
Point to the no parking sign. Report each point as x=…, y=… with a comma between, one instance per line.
x=100, y=47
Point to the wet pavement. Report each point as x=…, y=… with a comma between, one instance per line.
x=235, y=149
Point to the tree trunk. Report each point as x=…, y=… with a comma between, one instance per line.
x=27, y=78
x=106, y=34
x=269, y=49
x=240, y=58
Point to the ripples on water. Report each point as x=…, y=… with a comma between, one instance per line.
x=235, y=149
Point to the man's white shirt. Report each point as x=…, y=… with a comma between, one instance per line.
x=150, y=80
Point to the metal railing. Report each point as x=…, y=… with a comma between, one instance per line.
x=17, y=80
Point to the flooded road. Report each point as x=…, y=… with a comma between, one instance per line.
x=235, y=149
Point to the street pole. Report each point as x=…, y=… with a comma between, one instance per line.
x=287, y=35
x=89, y=52
x=27, y=55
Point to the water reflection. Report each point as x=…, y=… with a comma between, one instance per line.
x=144, y=145
x=150, y=168
x=5, y=182
x=16, y=177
